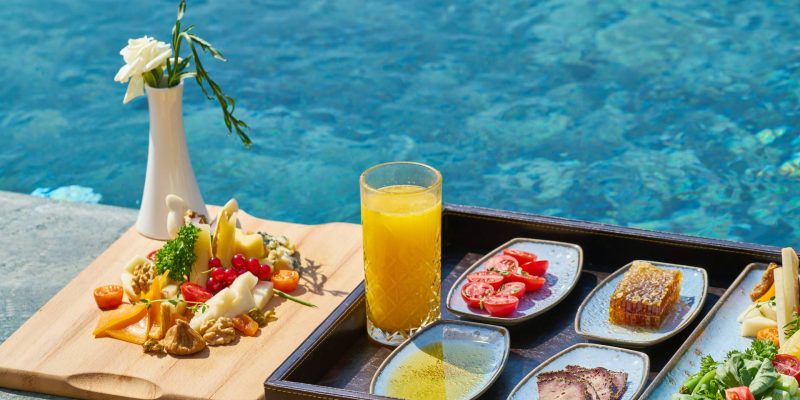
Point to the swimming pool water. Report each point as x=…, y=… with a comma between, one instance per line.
x=668, y=115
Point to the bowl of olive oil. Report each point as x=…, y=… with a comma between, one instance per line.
x=445, y=360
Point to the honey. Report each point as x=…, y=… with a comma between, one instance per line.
x=645, y=296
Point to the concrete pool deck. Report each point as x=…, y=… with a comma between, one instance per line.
x=44, y=244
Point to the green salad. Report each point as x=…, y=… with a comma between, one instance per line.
x=757, y=373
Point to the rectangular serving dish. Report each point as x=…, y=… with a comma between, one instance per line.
x=337, y=361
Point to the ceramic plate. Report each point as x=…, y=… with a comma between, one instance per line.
x=472, y=352
x=589, y=355
x=592, y=321
x=716, y=335
x=565, y=260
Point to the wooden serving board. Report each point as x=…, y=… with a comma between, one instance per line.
x=54, y=351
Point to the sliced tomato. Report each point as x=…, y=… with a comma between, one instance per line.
x=152, y=255
x=538, y=267
x=286, y=280
x=512, y=289
x=500, y=306
x=502, y=264
x=532, y=283
x=195, y=293
x=474, y=292
x=521, y=255
x=787, y=365
x=739, y=393
x=108, y=297
x=492, y=278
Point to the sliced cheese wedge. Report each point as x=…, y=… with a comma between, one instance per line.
x=782, y=310
x=263, y=293
x=751, y=326
x=202, y=252
x=229, y=302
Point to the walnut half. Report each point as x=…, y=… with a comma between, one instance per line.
x=182, y=340
x=218, y=331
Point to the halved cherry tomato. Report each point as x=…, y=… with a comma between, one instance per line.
x=195, y=293
x=245, y=324
x=492, y=278
x=513, y=289
x=502, y=264
x=521, y=255
x=500, y=306
x=152, y=255
x=739, y=393
x=787, y=365
x=286, y=280
x=770, y=334
x=108, y=296
x=538, y=267
x=532, y=283
x=474, y=292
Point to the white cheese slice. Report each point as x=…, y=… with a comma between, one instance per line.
x=263, y=293
x=751, y=326
x=783, y=311
x=749, y=312
x=229, y=302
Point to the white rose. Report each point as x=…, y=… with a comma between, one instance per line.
x=140, y=55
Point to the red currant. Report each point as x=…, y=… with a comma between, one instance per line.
x=230, y=276
x=264, y=272
x=238, y=261
x=218, y=273
x=215, y=262
x=253, y=265
x=213, y=285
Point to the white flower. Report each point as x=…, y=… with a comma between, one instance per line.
x=140, y=55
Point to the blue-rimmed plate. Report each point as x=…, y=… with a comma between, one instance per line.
x=592, y=321
x=589, y=355
x=467, y=357
x=565, y=260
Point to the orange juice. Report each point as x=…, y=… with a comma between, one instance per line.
x=402, y=257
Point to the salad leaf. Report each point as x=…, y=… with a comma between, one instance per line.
x=764, y=379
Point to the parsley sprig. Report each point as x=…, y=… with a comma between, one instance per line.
x=177, y=255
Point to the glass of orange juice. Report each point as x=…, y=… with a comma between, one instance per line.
x=401, y=216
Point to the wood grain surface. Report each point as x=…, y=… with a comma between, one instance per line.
x=54, y=352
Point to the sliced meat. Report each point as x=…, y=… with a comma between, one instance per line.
x=601, y=380
x=620, y=381
x=563, y=386
x=766, y=282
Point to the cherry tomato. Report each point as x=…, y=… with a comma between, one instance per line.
x=264, y=272
x=770, y=334
x=512, y=289
x=230, y=276
x=215, y=262
x=787, y=365
x=538, y=267
x=245, y=324
x=500, y=306
x=194, y=292
x=474, y=292
x=502, y=264
x=521, y=255
x=532, y=283
x=238, y=261
x=286, y=280
x=152, y=255
x=492, y=278
x=108, y=296
x=739, y=393
x=253, y=265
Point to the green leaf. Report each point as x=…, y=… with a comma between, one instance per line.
x=764, y=378
x=181, y=9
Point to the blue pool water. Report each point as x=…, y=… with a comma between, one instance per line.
x=672, y=115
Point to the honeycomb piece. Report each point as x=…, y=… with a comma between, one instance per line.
x=644, y=296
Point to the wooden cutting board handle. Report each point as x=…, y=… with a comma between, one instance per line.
x=107, y=385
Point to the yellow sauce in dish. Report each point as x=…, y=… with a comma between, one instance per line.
x=451, y=370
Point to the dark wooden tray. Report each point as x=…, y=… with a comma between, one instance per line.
x=337, y=361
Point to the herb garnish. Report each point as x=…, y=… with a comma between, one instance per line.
x=195, y=308
x=177, y=255
x=792, y=326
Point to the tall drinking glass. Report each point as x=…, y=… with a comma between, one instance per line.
x=401, y=215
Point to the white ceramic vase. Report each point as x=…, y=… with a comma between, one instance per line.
x=169, y=169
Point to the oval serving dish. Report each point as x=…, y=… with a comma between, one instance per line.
x=591, y=320
x=590, y=355
x=566, y=261
x=468, y=356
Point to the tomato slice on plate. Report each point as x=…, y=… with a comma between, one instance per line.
x=516, y=289
x=521, y=255
x=739, y=393
x=474, y=292
x=286, y=280
x=500, y=306
x=502, y=264
x=532, y=282
x=108, y=297
x=538, y=267
x=788, y=365
x=492, y=278
x=195, y=293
